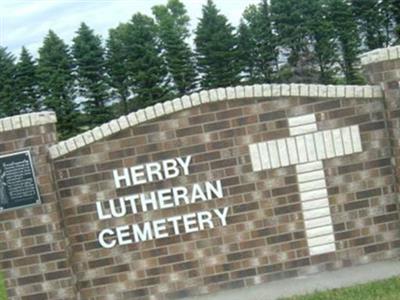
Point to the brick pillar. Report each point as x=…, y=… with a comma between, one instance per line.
x=382, y=66
x=32, y=243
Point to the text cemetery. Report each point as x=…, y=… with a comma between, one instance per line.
x=159, y=199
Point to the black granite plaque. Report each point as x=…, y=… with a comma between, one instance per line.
x=17, y=181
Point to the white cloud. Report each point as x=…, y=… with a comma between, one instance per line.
x=26, y=22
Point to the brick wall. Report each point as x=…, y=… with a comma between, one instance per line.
x=32, y=241
x=265, y=236
x=326, y=202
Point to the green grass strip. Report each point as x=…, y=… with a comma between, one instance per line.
x=3, y=294
x=378, y=290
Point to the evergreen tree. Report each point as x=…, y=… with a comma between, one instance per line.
x=346, y=34
x=146, y=66
x=292, y=20
x=247, y=53
x=260, y=54
x=216, y=49
x=323, y=38
x=373, y=22
x=26, y=80
x=7, y=85
x=56, y=82
x=91, y=70
x=173, y=22
x=396, y=17
x=117, y=68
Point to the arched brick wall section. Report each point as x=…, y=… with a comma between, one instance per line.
x=265, y=236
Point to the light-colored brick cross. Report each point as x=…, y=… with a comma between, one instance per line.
x=306, y=148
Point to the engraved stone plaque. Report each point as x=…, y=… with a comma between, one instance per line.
x=17, y=181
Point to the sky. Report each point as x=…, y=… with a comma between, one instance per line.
x=26, y=22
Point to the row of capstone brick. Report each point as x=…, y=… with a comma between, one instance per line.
x=380, y=55
x=220, y=94
x=185, y=102
x=27, y=120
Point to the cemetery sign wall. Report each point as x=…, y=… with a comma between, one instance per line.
x=221, y=189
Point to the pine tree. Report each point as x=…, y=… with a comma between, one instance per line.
x=173, y=22
x=7, y=84
x=247, y=53
x=56, y=82
x=395, y=4
x=323, y=37
x=91, y=74
x=257, y=43
x=292, y=20
x=346, y=33
x=117, y=68
x=146, y=66
x=26, y=80
x=371, y=22
x=216, y=49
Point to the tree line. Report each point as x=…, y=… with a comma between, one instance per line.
x=154, y=58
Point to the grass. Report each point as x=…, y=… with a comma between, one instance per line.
x=388, y=289
x=3, y=295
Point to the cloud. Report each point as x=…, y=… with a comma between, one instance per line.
x=26, y=22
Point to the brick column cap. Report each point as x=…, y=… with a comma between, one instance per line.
x=27, y=120
x=379, y=55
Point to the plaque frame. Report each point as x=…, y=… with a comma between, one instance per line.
x=39, y=200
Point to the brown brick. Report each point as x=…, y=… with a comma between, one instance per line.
x=200, y=119
x=228, y=114
x=145, y=129
x=245, y=207
x=148, y=281
x=135, y=293
x=216, y=126
x=284, y=190
x=101, y=262
x=326, y=105
x=356, y=205
x=189, y=131
x=386, y=218
x=376, y=248
x=270, y=268
x=26, y=261
x=297, y=263
x=368, y=193
x=350, y=168
x=244, y=273
x=11, y=254
x=216, y=278
x=171, y=259
x=186, y=266
x=40, y=296
x=38, y=249
x=241, y=189
x=279, y=238
x=118, y=269
x=30, y=279
x=271, y=116
x=34, y=230
x=372, y=126
x=239, y=255
x=223, y=163
x=105, y=280
x=57, y=275
x=264, y=232
x=282, y=210
x=377, y=163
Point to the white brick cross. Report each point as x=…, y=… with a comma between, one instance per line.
x=306, y=148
